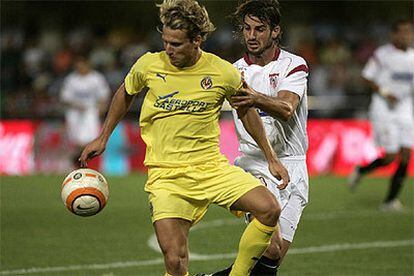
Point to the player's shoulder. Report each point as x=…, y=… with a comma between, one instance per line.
x=96, y=74
x=384, y=51
x=71, y=76
x=410, y=51
x=240, y=62
x=149, y=57
x=295, y=59
x=144, y=62
x=228, y=72
x=218, y=62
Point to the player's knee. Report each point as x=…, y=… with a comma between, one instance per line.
x=388, y=158
x=175, y=258
x=269, y=213
x=175, y=262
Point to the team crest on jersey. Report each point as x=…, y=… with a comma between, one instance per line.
x=206, y=83
x=273, y=80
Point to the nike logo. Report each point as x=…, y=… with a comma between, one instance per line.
x=81, y=208
x=161, y=76
x=168, y=95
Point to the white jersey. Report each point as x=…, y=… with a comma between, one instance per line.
x=392, y=69
x=85, y=91
x=286, y=72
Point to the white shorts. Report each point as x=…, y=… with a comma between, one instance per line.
x=293, y=199
x=393, y=136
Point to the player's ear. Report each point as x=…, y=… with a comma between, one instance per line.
x=276, y=32
x=197, y=41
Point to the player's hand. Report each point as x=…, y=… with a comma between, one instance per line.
x=389, y=96
x=392, y=100
x=246, y=97
x=93, y=149
x=280, y=172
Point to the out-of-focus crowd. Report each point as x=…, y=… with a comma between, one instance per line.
x=33, y=65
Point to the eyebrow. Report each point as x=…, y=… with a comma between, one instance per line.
x=259, y=26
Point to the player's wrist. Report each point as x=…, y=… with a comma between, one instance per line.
x=104, y=137
x=384, y=92
x=271, y=158
x=259, y=99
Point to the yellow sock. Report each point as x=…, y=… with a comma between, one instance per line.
x=253, y=243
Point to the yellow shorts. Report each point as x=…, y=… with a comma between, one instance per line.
x=186, y=192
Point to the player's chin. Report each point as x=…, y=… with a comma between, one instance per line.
x=177, y=63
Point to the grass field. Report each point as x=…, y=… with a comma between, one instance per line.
x=340, y=233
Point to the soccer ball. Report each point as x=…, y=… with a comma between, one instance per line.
x=85, y=192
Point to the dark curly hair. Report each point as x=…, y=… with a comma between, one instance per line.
x=268, y=12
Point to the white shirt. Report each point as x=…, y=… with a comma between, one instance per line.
x=286, y=72
x=392, y=69
x=86, y=91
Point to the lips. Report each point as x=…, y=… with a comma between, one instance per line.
x=253, y=44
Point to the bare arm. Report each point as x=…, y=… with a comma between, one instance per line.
x=383, y=92
x=282, y=106
x=254, y=126
x=120, y=105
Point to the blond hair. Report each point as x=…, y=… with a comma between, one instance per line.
x=186, y=15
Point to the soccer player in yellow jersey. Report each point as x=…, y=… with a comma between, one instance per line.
x=179, y=124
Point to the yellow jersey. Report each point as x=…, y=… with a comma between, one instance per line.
x=180, y=113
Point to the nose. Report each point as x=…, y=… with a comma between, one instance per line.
x=168, y=48
x=251, y=34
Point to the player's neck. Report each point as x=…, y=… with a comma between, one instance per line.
x=266, y=57
x=194, y=59
x=400, y=47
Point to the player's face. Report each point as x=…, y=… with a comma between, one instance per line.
x=180, y=49
x=258, y=36
x=404, y=36
x=82, y=67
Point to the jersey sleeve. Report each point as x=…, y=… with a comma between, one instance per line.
x=372, y=68
x=136, y=79
x=296, y=79
x=233, y=80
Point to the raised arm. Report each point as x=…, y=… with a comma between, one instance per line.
x=254, y=126
x=120, y=105
x=281, y=106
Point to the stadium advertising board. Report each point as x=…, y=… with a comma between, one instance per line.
x=335, y=146
x=16, y=144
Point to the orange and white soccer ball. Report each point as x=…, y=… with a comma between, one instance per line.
x=85, y=192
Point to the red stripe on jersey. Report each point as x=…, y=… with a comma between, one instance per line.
x=299, y=68
x=250, y=62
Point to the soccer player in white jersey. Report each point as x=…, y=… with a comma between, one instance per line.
x=390, y=75
x=85, y=93
x=275, y=84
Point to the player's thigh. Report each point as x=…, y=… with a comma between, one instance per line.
x=406, y=137
x=172, y=194
x=225, y=184
x=172, y=235
x=386, y=135
x=293, y=199
x=257, y=201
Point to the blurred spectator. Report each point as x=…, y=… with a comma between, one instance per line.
x=85, y=94
x=40, y=60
